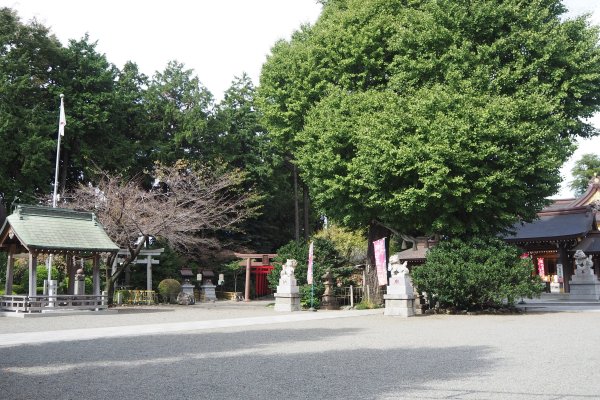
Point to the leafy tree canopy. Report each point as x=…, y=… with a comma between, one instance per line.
x=587, y=167
x=475, y=274
x=433, y=116
x=29, y=62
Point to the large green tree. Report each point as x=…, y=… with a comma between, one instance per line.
x=242, y=142
x=179, y=110
x=440, y=116
x=87, y=80
x=29, y=63
x=587, y=167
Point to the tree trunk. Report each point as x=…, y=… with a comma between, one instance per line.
x=306, y=208
x=108, y=286
x=376, y=232
x=296, y=216
x=111, y=278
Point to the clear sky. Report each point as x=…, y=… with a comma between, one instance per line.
x=218, y=39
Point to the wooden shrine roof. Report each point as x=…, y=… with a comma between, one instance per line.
x=555, y=226
x=45, y=229
x=563, y=219
x=590, y=244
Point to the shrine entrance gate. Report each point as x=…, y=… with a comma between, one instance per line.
x=258, y=265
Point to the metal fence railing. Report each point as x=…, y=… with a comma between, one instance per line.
x=349, y=295
x=146, y=297
x=57, y=302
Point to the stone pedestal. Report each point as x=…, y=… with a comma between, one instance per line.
x=187, y=288
x=584, y=285
x=52, y=292
x=287, y=297
x=329, y=301
x=396, y=305
x=208, y=291
x=400, y=298
x=287, y=302
x=584, y=288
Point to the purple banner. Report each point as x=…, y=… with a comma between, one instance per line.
x=379, y=248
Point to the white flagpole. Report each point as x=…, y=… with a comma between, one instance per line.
x=61, y=131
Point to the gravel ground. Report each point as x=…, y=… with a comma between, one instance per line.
x=541, y=355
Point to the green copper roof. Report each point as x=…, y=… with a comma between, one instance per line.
x=44, y=228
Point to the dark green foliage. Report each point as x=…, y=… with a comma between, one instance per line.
x=311, y=296
x=241, y=141
x=41, y=276
x=29, y=65
x=587, y=167
x=447, y=116
x=168, y=268
x=18, y=289
x=168, y=290
x=179, y=107
x=476, y=274
x=232, y=272
x=325, y=257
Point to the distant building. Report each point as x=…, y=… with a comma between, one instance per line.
x=562, y=228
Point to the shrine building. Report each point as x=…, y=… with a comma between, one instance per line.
x=562, y=228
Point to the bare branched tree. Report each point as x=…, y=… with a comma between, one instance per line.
x=185, y=208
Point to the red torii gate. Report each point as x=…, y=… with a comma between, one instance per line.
x=260, y=264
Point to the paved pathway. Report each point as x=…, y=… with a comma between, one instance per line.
x=49, y=336
x=241, y=351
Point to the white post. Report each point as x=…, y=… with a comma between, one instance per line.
x=32, y=274
x=61, y=131
x=351, y=296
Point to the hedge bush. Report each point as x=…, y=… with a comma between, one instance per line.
x=168, y=290
x=476, y=274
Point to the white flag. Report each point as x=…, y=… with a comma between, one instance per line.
x=62, y=120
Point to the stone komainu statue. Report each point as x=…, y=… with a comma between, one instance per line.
x=583, y=264
x=288, y=268
x=396, y=267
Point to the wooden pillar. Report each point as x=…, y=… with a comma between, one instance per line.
x=70, y=273
x=148, y=272
x=96, y=274
x=563, y=257
x=127, y=276
x=32, y=273
x=10, y=265
x=247, y=293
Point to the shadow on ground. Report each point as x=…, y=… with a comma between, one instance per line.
x=253, y=364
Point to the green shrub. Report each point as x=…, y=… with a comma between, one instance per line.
x=41, y=275
x=125, y=296
x=476, y=274
x=366, y=305
x=325, y=257
x=305, y=295
x=18, y=289
x=168, y=290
